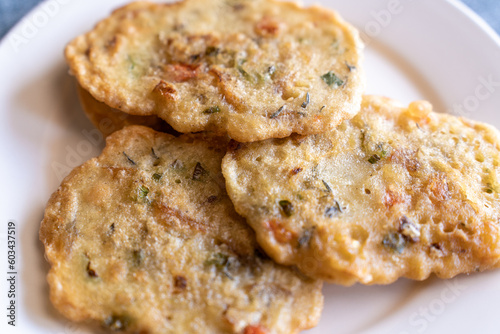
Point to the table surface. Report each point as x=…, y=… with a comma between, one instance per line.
x=12, y=11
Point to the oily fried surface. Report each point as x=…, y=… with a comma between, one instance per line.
x=108, y=120
x=254, y=69
x=395, y=192
x=144, y=239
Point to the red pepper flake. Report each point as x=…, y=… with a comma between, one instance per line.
x=438, y=187
x=406, y=158
x=392, y=198
x=254, y=329
x=166, y=90
x=181, y=72
x=267, y=27
x=281, y=234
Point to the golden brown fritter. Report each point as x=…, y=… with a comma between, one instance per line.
x=394, y=192
x=253, y=69
x=143, y=239
x=108, y=120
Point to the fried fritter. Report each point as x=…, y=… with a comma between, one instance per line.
x=108, y=120
x=144, y=239
x=394, y=192
x=253, y=69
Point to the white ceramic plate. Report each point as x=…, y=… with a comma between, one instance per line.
x=428, y=49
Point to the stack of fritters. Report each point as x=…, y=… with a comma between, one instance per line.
x=146, y=238
x=250, y=69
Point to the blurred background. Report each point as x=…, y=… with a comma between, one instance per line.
x=11, y=11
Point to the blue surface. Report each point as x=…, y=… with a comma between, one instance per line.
x=12, y=11
x=488, y=9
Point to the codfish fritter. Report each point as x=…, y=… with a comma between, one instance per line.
x=108, y=120
x=253, y=69
x=143, y=239
x=394, y=192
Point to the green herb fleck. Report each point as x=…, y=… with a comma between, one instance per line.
x=242, y=71
x=143, y=192
x=117, y=323
x=383, y=150
x=262, y=78
x=178, y=181
x=305, y=239
x=245, y=74
x=332, y=80
x=198, y=172
x=219, y=260
x=327, y=186
x=489, y=189
x=222, y=262
x=129, y=159
x=277, y=113
x=157, y=177
x=307, y=101
x=374, y=159
x=132, y=63
x=138, y=257
x=333, y=211
x=153, y=153
x=228, y=275
x=394, y=241
x=286, y=207
x=212, y=110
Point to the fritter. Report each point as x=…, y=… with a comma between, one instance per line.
x=144, y=239
x=108, y=120
x=394, y=192
x=253, y=69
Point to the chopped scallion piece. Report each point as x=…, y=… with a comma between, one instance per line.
x=198, y=172
x=212, y=110
x=374, y=159
x=332, y=80
x=308, y=100
x=286, y=207
x=277, y=113
x=129, y=159
x=143, y=192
